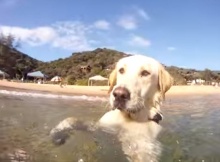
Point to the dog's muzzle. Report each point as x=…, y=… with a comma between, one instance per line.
x=121, y=95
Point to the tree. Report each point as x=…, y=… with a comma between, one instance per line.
x=207, y=75
x=10, y=41
x=23, y=66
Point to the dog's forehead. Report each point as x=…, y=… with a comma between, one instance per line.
x=138, y=61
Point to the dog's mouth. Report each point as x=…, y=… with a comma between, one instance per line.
x=121, y=105
x=133, y=110
x=125, y=107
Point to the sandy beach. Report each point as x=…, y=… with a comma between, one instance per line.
x=102, y=90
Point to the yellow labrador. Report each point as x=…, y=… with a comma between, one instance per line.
x=137, y=86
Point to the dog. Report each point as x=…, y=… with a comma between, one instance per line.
x=138, y=84
x=137, y=88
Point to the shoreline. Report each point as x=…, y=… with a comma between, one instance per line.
x=56, y=89
x=102, y=91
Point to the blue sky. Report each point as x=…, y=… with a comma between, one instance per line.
x=181, y=33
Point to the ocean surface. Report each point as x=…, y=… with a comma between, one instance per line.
x=191, y=128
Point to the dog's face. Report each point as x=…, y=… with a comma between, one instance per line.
x=136, y=81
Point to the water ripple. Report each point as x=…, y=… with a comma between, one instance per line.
x=53, y=96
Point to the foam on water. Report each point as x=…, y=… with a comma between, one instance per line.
x=55, y=96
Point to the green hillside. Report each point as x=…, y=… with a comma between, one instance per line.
x=80, y=66
x=16, y=63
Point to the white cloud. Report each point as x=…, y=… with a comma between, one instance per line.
x=139, y=41
x=134, y=53
x=72, y=36
x=142, y=13
x=128, y=22
x=102, y=24
x=35, y=36
x=171, y=48
x=66, y=35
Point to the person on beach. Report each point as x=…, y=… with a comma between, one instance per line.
x=61, y=82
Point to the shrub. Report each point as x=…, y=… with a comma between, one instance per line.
x=70, y=80
x=99, y=83
x=83, y=82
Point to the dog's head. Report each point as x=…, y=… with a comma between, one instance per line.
x=138, y=82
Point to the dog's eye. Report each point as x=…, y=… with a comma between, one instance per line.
x=121, y=70
x=144, y=73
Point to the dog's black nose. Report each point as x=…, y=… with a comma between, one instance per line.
x=121, y=93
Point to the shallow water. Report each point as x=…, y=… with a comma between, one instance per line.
x=191, y=129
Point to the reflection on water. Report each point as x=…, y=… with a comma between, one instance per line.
x=191, y=129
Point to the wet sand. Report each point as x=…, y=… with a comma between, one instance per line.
x=102, y=90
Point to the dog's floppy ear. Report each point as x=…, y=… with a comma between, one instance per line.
x=112, y=80
x=165, y=81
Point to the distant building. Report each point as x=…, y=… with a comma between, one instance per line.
x=85, y=69
x=3, y=74
x=198, y=81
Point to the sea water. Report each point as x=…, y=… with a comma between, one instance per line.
x=191, y=129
